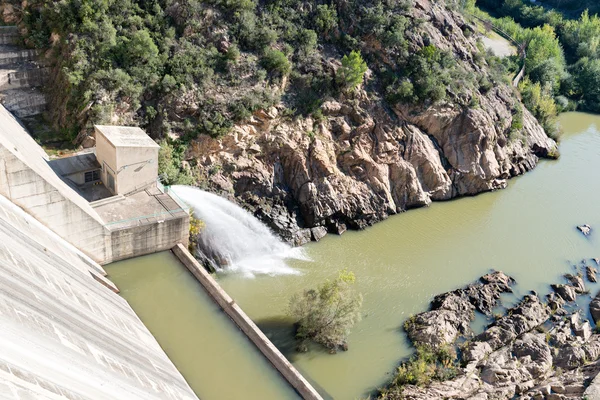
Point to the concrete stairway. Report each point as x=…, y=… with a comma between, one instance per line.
x=20, y=76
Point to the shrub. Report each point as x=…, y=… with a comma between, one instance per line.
x=427, y=364
x=275, y=62
x=326, y=18
x=326, y=314
x=517, y=121
x=170, y=158
x=352, y=72
x=540, y=102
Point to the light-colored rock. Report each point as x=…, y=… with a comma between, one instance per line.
x=366, y=160
x=585, y=229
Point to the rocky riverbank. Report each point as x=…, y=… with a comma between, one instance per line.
x=541, y=348
x=361, y=159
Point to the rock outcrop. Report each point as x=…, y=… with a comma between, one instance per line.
x=451, y=313
x=363, y=160
x=536, y=350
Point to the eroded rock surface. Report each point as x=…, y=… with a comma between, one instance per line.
x=536, y=350
x=451, y=313
x=364, y=159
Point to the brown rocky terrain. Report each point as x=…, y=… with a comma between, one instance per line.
x=538, y=349
x=364, y=159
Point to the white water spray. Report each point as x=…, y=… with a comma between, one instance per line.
x=234, y=240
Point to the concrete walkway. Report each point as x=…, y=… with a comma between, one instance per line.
x=499, y=46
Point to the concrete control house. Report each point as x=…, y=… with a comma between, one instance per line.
x=106, y=201
x=128, y=158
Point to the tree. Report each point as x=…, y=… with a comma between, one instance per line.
x=586, y=73
x=544, y=55
x=275, y=61
x=326, y=314
x=352, y=72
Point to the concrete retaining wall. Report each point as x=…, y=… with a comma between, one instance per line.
x=146, y=239
x=238, y=316
x=35, y=187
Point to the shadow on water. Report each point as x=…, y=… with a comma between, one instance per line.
x=281, y=332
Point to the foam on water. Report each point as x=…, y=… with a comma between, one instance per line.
x=233, y=240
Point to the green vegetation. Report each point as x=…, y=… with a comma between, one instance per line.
x=170, y=159
x=540, y=103
x=352, y=71
x=425, y=365
x=562, y=53
x=326, y=314
x=195, y=67
x=180, y=69
x=196, y=226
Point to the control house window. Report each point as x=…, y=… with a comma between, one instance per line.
x=92, y=176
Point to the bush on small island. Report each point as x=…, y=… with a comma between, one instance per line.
x=427, y=364
x=326, y=314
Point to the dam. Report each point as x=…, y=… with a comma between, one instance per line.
x=66, y=333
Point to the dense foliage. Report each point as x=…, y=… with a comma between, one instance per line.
x=426, y=365
x=562, y=51
x=326, y=314
x=195, y=67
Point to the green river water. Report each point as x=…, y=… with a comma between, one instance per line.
x=527, y=231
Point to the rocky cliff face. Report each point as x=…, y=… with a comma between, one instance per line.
x=366, y=159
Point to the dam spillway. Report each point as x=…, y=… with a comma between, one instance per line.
x=233, y=240
x=63, y=335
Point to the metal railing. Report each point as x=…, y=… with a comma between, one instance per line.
x=521, y=47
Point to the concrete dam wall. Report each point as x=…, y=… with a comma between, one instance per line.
x=63, y=334
x=126, y=226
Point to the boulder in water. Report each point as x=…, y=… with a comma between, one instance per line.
x=566, y=292
x=318, y=233
x=595, y=308
x=590, y=272
x=585, y=229
x=577, y=282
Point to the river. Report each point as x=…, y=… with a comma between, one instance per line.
x=215, y=358
x=527, y=231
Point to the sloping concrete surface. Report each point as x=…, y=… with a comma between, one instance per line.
x=27, y=180
x=64, y=335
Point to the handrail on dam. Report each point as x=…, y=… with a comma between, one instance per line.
x=228, y=305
